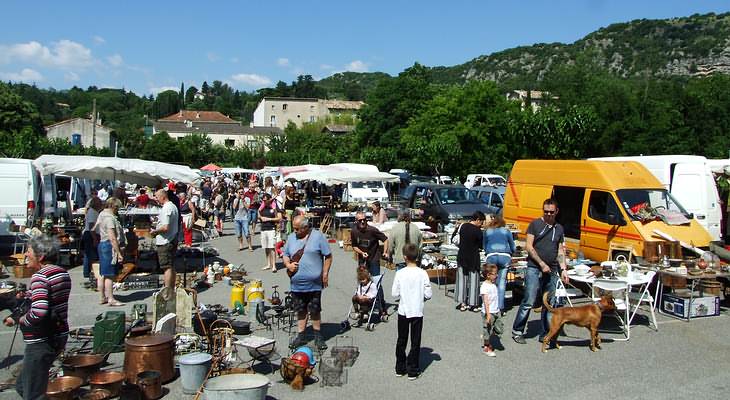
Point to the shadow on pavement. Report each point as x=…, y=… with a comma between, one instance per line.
x=427, y=357
x=136, y=296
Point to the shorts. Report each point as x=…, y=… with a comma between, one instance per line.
x=268, y=239
x=307, y=301
x=253, y=215
x=108, y=267
x=241, y=227
x=166, y=255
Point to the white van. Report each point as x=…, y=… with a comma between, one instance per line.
x=20, y=203
x=484, y=180
x=365, y=192
x=690, y=181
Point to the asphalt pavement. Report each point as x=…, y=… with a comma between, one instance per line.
x=680, y=360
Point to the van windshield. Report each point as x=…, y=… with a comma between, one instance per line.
x=635, y=199
x=497, y=181
x=456, y=195
x=367, y=185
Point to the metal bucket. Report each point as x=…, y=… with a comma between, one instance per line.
x=194, y=368
x=149, y=383
x=237, y=387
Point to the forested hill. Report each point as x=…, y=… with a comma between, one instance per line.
x=686, y=46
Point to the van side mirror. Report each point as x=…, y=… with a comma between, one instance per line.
x=613, y=219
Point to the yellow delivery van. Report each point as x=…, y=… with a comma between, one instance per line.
x=600, y=205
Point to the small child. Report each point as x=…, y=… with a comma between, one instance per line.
x=364, y=295
x=412, y=285
x=492, y=323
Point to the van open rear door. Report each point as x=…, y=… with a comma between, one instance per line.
x=694, y=188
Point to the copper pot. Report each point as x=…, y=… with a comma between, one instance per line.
x=82, y=365
x=97, y=394
x=149, y=353
x=149, y=383
x=109, y=380
x=63, y=388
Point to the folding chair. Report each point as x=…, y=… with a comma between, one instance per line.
x=622, y=302
x=643, y=296
x=561, y=291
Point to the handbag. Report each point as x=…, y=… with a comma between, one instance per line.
x=456, y=237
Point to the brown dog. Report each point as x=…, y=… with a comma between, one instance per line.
x=588, y=316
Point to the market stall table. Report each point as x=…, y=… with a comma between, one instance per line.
x=693, y=285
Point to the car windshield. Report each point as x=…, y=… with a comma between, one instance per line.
x=634, y=199
x=455, y=195
x=367, y=185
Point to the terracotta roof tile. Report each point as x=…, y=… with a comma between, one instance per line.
x=198, y=116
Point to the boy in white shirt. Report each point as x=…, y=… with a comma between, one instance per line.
x=362, y=299
x=490, y=309
x=412, y=285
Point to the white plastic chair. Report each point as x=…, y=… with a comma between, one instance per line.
x=621, y=300
x=561, y=291
x=643, y=296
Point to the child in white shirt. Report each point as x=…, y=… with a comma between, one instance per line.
x=492, y=324
x=412, y=285
x=362, y=299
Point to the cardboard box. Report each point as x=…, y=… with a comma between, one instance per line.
x=707, y=306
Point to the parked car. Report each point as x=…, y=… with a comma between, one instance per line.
x=443, y=203
x=493, y=197
x=476, y=180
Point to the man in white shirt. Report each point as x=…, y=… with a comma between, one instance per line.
x=166, y=237
x=412, y=285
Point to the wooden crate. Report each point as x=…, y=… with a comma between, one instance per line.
x=447, y=275
x=674, y=282
x=654, y=251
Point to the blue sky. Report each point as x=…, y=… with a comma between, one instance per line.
x=154, y=45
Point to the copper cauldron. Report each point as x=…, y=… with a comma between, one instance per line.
x=109, y=380
x=83, y=365
x=150, y=353
x=63, y=388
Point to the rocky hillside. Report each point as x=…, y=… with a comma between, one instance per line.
x=686, y=46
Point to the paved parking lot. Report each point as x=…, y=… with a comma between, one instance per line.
x=680, y=360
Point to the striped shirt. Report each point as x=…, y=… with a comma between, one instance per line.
x=49, y=290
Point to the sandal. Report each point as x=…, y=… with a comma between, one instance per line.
x=463, y=308
x=103, y=301
x=265, y=268
x=116, y=303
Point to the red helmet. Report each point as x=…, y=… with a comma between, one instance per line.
x=300, y=358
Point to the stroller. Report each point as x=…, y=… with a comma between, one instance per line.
x=378, y=302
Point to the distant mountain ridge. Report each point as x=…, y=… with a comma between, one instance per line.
x=686, y=46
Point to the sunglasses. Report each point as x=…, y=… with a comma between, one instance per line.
x=362, y=221
x=549, y=212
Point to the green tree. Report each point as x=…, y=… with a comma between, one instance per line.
x=166, y=103
x=190, y=94
x=161, y=147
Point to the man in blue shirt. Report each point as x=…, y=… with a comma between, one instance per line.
x=309, y=271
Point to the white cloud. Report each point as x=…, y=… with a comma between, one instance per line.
x=115, y=60
x=282, y=62
x=159, y=89
x=71, y=76
x=251, y=79
x=98, y=39
x=65, y=54
x=356, y=66
x=27, y=75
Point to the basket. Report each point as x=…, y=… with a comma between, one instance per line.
x=347, y=354
x=23, y=271
x=332, y=372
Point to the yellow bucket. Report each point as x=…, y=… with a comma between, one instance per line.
x=237, y=292
x=255, y=291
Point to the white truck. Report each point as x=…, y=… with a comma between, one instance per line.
x=690, y=181
x=21, y=201
x=473, y=180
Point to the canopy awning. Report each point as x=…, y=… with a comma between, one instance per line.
x=210, y=167
x=132, y=170
x=337, y=173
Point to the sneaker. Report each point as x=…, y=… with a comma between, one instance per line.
x=519, y=339
x=319, y=341
x=297, y=341
x=413, y=377
x=489, y=352
x=400, y=374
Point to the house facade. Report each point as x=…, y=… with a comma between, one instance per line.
x=80, y=131
x=218, y=127
x=535, y=98
x=279, y=111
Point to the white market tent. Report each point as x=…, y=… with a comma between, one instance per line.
x=132, y=170
x=337, y=173
x=239, y=171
